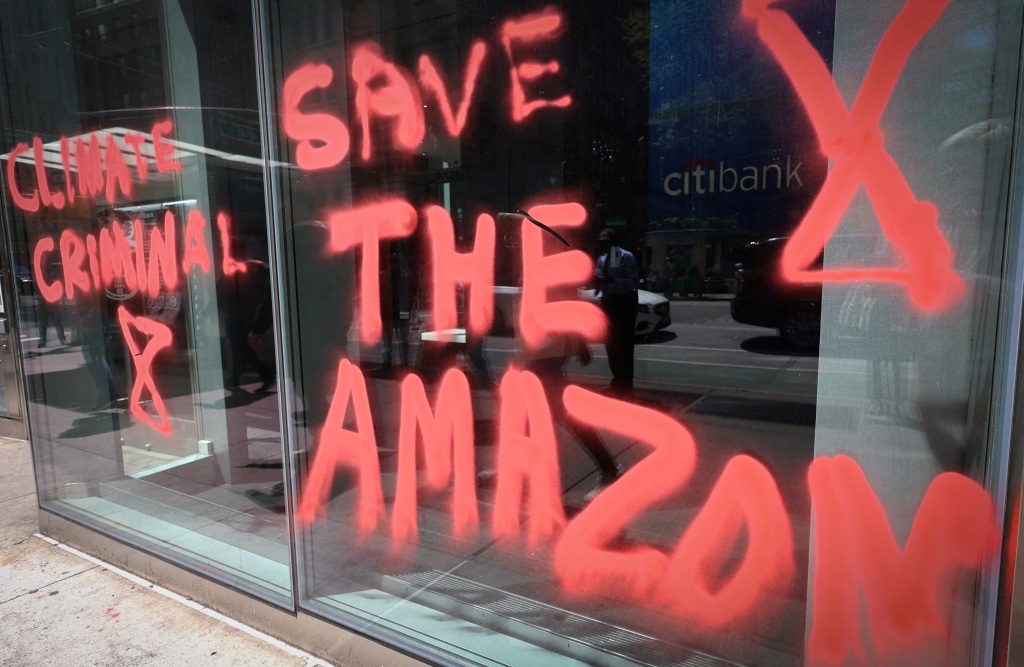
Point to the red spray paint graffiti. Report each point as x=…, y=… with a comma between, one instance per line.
x=538, y=318
x=163, y=257
x=431, y=81
x=195, y=253
x=229, y=265
x=364, y=227
x=116, y=257
x=527, y=460
x=539, y=27
x=387, y=91
x=396, y=98
x=52, y=292
x=451, y=268
x=856, y=557
x=856, y=145
x=97, y=261
x=342, y=447
x=330, y=134
x=99, y=172
x=73, y=253
x=745, y=496
x=90, y=265
x=447, y=434
x=854, y=548
x=160, y=337
x=583, y=561
x=29, y=203
x=54, y=200
x=164, y=152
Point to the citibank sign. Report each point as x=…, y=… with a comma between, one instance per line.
x=703, y=176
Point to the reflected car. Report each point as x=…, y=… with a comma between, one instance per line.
x=765, y=299
x=23, y=279
x=652, y=310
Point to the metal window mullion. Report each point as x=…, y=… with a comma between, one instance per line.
x=272, y=197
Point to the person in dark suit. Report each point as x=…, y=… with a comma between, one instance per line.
x=617, y=280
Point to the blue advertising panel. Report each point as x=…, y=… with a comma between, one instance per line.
x=731, y=147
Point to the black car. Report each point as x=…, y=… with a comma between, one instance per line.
x=764, y=298
x=23, y=279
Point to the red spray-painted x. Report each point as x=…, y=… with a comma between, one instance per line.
x=159, y=337
x=856, y=146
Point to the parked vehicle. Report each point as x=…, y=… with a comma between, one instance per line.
x=652, y=310
x=23, y=279
x=765, y=299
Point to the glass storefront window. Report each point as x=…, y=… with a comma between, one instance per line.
x=780, y=449
x=133, y=176
x=635, y=332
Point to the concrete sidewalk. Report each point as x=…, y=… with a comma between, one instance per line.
x=59, y=607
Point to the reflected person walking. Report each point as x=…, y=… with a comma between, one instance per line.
x=617, y=280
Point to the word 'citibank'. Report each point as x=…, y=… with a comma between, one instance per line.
x=702, y=176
